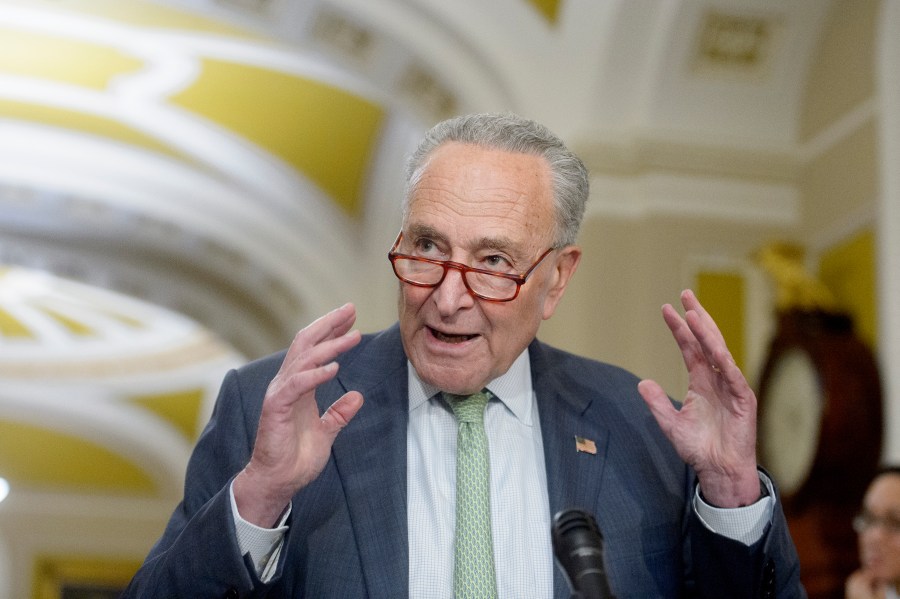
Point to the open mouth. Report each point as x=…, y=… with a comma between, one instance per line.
x=448, y=338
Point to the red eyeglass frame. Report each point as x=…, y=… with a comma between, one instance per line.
x=519, y=280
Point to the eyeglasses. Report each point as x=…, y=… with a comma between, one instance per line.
x=485, y=284
x=864, y=521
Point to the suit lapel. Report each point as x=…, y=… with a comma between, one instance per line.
x=370, y=454
x=573, y=477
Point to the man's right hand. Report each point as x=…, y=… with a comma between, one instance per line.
x=293, y=441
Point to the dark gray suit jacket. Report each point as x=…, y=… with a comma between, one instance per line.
x=348, y=529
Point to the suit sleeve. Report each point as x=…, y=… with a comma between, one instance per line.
x=198, y=553
x=766, y=569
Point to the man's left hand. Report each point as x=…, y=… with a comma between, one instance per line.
x=715, y=429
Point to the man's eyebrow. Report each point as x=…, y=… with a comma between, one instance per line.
x=426, y=231
x=498, y=243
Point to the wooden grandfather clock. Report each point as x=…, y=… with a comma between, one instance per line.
x=820, y=429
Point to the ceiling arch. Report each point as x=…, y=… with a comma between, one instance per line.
x=154, y=116
x=101, y=392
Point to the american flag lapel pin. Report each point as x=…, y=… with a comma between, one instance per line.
x=585, y=445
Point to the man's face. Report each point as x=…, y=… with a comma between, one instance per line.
x=879, y=545
x=485, y=208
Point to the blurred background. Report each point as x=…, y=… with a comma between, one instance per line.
x=186, y=183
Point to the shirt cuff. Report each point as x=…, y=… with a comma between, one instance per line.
x=744, y=524
x=262, y=544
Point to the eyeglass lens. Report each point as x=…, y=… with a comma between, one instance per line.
x=429, y=273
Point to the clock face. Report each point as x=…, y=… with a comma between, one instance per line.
x=791, y=420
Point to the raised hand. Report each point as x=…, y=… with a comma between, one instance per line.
x=715, y=429
x=293, y=441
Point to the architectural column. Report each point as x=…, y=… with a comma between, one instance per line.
x=888, y=77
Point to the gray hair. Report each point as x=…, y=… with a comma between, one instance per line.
x=513, y=133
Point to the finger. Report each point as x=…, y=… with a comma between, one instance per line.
x=711, y=343
x=322, y=353
x=342, y=411
x=712, y=346
x=703, y=324
x=660, y=405
x=297, y=385
x=713, y=352
x=311, y=359
x=690, y=301
x=302, y=356
x=691, y=351
x=328, y=326
x=705, y=330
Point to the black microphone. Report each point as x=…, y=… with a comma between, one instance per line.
x=578, y=548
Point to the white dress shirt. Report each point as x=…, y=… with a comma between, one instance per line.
x=520, y=507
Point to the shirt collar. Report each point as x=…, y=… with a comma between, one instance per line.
x=513, y=388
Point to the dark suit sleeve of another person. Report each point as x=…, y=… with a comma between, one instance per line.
x=198, y=554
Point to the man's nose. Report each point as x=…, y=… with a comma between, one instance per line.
x=452, y=294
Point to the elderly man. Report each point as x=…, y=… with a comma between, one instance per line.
x=473, y=433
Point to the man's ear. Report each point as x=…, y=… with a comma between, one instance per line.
x=564, y=267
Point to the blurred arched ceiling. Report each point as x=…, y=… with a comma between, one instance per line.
x=216, y=173
x=246, y=150
x=100, y=391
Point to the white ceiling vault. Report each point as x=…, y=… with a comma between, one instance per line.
x=221, y=172
x=668, y=86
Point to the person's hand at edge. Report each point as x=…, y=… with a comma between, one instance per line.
x=715, y=429
x=293, y=440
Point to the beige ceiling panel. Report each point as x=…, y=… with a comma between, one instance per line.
x=62, y=60
x=323, y=131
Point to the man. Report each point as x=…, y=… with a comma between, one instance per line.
x=284, y=500
x=878, y=526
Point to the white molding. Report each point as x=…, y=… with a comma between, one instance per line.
x=694, y=196
x=848, y=124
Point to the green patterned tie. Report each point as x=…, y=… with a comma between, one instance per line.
x=473, y=573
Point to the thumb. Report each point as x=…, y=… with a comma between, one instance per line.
x=342, y=411
x=658, y=402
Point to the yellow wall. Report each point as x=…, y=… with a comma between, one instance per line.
x=848, y=269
